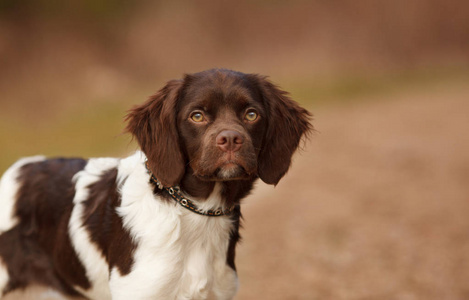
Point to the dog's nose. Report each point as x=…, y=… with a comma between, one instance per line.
x=229, y=140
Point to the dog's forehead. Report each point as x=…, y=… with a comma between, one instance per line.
x=223, y=89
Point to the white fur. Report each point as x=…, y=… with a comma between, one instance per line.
x=3, y=277
x=52, y=294
x=8, y=189
x=91, y=257
x=180, y=255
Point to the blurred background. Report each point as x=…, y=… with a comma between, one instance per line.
x=376, y=206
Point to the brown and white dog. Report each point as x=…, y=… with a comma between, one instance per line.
x=162, y=223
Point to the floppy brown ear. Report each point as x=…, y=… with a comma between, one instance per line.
x=287, y=123
x=153, y=124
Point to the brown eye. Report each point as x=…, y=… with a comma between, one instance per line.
x=197, y=117
x=251, y=115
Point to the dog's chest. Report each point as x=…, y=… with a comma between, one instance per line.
x=204, y=270
x=179, y=254
x=184, y=259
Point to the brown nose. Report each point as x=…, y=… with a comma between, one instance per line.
x=229, y=140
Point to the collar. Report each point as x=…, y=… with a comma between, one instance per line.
x=175, y=193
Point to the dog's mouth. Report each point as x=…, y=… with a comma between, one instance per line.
x=229, y=170
x=225, y=167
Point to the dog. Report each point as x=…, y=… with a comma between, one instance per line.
x=164, y=222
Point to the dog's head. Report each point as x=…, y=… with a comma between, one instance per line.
x=223, y=125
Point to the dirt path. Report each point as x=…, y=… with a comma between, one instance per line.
x=377, y=207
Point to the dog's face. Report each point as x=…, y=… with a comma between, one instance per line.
x=223, y=125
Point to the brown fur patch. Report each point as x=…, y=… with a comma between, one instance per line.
x=38, y=249
x=105, y=226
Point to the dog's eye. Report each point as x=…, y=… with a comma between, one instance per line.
x=251, y=115
x=197, y=117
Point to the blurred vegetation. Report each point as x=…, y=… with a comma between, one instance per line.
x=85, y=133
x=348, y=88
x=77, y=9
x=70, y=69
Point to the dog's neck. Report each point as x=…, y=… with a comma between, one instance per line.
x=232, y=191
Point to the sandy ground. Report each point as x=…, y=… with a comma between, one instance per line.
x=375, y=207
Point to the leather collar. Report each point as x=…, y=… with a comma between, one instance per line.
x=175, y=193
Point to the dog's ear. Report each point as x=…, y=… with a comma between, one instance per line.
x=287, y=123
x=153, y=124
